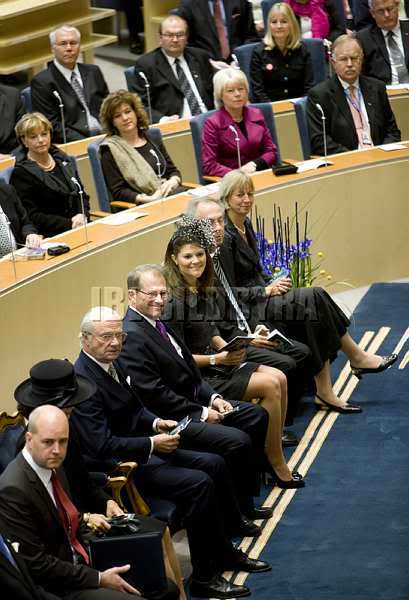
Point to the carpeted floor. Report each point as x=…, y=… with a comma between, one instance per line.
x=346, y=535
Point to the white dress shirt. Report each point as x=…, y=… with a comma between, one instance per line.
x=361, y=106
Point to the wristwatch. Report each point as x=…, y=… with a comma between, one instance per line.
x=212, y=360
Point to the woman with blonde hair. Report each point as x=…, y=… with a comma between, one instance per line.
x=43, y=178
x=136, y=168
x=281, y=65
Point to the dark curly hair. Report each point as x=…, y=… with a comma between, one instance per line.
x=111, y=104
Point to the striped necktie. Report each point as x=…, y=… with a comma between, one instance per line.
x=93, y=123
x=397, y=58
x=187, y=90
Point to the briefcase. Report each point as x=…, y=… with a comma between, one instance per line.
x=142, y=550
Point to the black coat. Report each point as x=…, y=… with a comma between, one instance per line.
x=46, y=82
x=340, y=129
x=29, y=516
x=166, y=94
x=16, y=213
x=11, y=110
x=50, y=204
x=275, y=76
x=376, y=58
x=202, y=30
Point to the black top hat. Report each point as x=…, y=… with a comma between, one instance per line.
x=54, y=382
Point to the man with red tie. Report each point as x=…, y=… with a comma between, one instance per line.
x=36, y=511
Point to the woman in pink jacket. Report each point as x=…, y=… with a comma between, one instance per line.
x=235, y=120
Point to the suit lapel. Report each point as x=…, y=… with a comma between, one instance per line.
x=404, y=28
x=341, y=101
x=379, y=41
x=166, y=70
x=21, y=573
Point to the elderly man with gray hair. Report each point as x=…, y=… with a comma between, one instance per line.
x=69, y=93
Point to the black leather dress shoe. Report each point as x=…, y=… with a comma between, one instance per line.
x=289, y=439
x=248, y=529
x=218, y=587
x=239, y=561
x=263, y=512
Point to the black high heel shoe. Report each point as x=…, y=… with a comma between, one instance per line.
x=387, y=361
x=344, y=410
x=297, y=480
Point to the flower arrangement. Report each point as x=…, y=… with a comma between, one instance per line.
x=289, y=252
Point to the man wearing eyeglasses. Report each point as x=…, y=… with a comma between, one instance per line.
x=386, y=43
x=356, y=108
x=180, y=78
x=69, y=93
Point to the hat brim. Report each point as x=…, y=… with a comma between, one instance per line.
x=25, y=396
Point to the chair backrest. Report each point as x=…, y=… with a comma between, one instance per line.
x=98, y=175
x=244, y=54
x=11, y=429
x=197, y=123
x=266, y=7
x=25, y=94
x=300, y=107
x=129, y=73
x=316, y=48
x=5, y=174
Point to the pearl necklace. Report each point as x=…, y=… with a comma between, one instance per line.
x=48, y=167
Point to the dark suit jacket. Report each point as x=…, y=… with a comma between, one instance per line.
x=202, y=30
x=15, y=211
x=17, y=583
x=376, y=62
x=219, y=148
x=340, y=128
x=29, y=516
x=11, y=110
x=113, y=424
x=166, y=94
x=170, y=386
x=95, y=89
x=50, y=202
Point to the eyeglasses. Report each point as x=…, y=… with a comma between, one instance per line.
x=170, y=36
x=345, y=59
x=153, y=295
x=385, y=11
x=65, y=44
x=109, y=337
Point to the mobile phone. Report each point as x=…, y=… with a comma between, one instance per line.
x=233, y=410
x=180, y=426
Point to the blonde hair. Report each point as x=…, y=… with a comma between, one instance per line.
x=236, y=181
x=294, y=35
x=222, y=78
x=29, y=123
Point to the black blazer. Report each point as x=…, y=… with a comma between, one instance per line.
x=166, y=94
x=340, y=128
x=170, y=386
x=275, y=76
x=202, y=30
x=50, y=205
x=29, y=516
x=113, y=424
x=15, y=211
x=46, y=82
x=11, y=110
x=376, y=58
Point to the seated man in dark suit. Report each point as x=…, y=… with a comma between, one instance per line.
x=36, y=512
x=162, y=371
x=80, y=87
x=11, y=111
x=20, y=231
x=385, y=44
x=114, y=423
x=357, y=110
x=180, y=78
x=218, y=26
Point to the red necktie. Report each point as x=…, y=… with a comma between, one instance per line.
x=68, y=515
x=221, y=31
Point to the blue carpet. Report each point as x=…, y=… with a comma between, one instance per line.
x=346, y=535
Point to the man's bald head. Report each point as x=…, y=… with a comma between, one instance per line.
x=47, y=436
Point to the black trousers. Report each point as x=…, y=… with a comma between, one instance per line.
x=240, y=441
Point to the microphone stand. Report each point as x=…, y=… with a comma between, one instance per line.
x=237, y=140
x=148, y=94
x=61, y=106
x=11, y=245
x=81, y=193
x=324, y=132
x=158, y=167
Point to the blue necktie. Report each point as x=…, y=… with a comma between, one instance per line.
x=6, y=552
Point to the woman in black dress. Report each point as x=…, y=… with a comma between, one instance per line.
x=189, y=273
x=43, y=178
x=136, y=169
x=320, y=323
x=281, y=65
